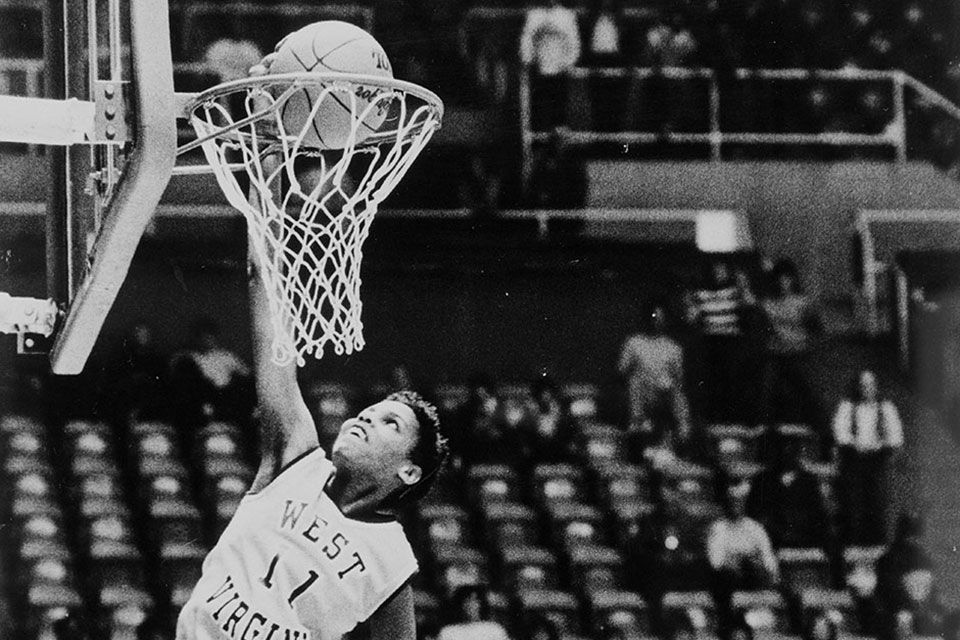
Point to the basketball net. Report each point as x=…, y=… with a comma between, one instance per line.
x=309, y=211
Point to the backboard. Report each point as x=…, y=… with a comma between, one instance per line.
x=115, y=55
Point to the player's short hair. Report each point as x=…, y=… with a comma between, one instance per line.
x=431, y=450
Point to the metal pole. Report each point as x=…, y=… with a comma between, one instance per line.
x=58, y=201
x=900, y=116
x=526, y=134
x=715, y=134
x=869, y=276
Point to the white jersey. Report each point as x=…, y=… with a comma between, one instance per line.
x=291, y=566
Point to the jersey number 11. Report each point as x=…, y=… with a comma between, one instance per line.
x=267, y=581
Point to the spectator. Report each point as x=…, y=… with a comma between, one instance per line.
x=484, y=434
x=539, y=627
x=136, y=375
x=716, y=310
x=916, y=608
x=821, y=627
x=603, y=34
x=892, y=564
x=791, y=324
x=671, y=103
x=470, y=608
x=664, y=555
x=550, y=45
x=866, y=432
x=741, y=629
x=681, y=47
x=547, y=425
x=231, y=59
x=153, y=628
x=652, y=364
x=739, y=551
x=817, y=37
x=559, y=179
x=788, y=502
x=479, y=188
x=213, y=377
x=604, y=42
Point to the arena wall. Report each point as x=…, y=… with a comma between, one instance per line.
x=802, y=210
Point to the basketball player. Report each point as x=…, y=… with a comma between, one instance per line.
x=315, y=548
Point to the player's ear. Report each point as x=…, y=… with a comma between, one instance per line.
x=409, y=473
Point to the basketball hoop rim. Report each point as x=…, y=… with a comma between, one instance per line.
x=192, y=102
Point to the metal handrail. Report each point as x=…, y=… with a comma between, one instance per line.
x=893, y=136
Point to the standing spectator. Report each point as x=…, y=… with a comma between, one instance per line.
x=866, y=431
x=716, y=310
x=604, y=41
x=739, y=550
x=550, y=44
x=791, y=325
x=652, y=363
x=546, y=427
x=470, y=608
x=787, y=500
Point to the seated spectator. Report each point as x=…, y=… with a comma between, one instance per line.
x=558, y=179
x=482, y=429
x=916, y=608
x=547, y=425
x=470, y=617
x=550, y=44
x=738, y=550
x=137, y=377
x=791, y=324
x=652, y=363
x=539, y=627
x=821, y=627
x=787, y=501
x=741, y=629
x=906, y=545
x=670, y=104
x=663, y=555
x=231, y=59
x=867, y=432
x=479, y=188
x=211, y=376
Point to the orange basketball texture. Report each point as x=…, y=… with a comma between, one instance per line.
x=332, y=46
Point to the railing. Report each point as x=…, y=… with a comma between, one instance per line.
x=893, y=135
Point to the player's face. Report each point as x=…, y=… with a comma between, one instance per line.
x=379, y=441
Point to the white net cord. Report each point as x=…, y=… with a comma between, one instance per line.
x=308, y=212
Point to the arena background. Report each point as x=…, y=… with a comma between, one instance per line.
x=471, y=268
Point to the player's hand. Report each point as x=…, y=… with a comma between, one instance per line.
x=262, y=68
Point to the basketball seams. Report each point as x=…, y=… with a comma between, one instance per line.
x=320, y=59
x=358, y=53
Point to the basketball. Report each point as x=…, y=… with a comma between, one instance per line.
x=332, y=46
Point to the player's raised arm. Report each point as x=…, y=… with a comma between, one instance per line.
x=286, y=427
